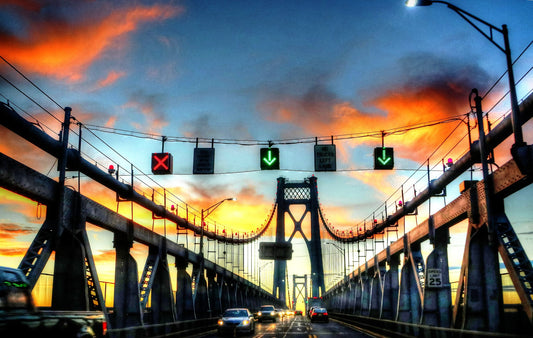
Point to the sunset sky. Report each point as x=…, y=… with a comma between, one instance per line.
x=249, y=72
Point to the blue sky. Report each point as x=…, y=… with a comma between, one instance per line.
x=260, y=70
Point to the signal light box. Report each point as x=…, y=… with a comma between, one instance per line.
x=269, y=158
x=383, y=158
x=275, y=250
x=162, y=163
x=204, y=161
x=325, y=157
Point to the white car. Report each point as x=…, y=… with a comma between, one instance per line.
x=236, y=320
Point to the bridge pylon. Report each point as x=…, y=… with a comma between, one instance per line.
x=299, y=193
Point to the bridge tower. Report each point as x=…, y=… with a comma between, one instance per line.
x=299, y=193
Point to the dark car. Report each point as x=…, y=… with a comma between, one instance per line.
x=236, y=320
x=20, y=318
x=298, y=312
x=267, y=312
x=319, y=314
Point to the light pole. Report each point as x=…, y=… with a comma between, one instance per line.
x=343, y=251
x=205, y=213
x=260, y=268
x=506, y=49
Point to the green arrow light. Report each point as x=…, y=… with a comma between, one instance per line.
x=269, y=158
x=383, y=158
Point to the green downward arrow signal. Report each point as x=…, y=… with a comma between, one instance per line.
x=384, y=159
x=269, y=160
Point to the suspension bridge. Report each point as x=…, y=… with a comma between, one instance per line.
x=384, y=278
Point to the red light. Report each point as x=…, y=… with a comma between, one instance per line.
x=104, y=328
x=161, y=163
x=111, y=169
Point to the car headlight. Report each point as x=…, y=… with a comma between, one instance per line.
x=259, y=313
x=272, y=313
x=245, y=322
x=220, y=322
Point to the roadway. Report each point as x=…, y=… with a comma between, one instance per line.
x=299, y=326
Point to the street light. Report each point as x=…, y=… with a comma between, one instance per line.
x=343, y=251
x=205, y=213
x=506, y=49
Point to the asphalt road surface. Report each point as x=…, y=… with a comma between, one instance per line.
x=298, y=326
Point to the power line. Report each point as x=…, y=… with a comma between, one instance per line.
x=380, y=133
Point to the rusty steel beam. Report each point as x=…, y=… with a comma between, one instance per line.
x=17, y=177
x=507, y=179
x=497, y=135
x=20, y=126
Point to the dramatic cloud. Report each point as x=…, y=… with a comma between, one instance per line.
x=111, y=78
x=13, y=252
x=151, y=107
x=52, y=45
x=9, y=231
x=431, y=89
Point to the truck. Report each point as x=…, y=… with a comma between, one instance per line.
x=20, y=318
x=313, y=302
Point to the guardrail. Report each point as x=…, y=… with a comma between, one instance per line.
x=390, y=328
x=187, y=328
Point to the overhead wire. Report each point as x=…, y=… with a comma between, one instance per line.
x=397, y=131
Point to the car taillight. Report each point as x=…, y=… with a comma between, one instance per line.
x=325, y=313
x=104, y=328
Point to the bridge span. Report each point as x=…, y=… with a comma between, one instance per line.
x=396, y=286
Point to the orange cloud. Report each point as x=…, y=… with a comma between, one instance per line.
x=13, y=252
x=65, y=50
x=9, y=231
x=111, y=78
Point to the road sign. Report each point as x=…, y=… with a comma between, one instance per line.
x=161, y=163
x=204, y=161
x=325, y=157
x=269, y=158
x=434, y=278
x=275, y=250
x=383, y=158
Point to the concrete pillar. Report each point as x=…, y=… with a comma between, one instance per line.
x=389, y=305
x=437, y=308
x=127, y=305
x=184, y=303
x=365, y=295
x=409, y=303
x=214, y=294
x=376, y=292
x=163, y=309
x=201, y=302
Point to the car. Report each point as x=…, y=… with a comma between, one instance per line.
x=267, y=312
x=298, y=312
x=319, y=314
x=236, y=320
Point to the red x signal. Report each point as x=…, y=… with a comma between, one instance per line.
x=161, y=163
